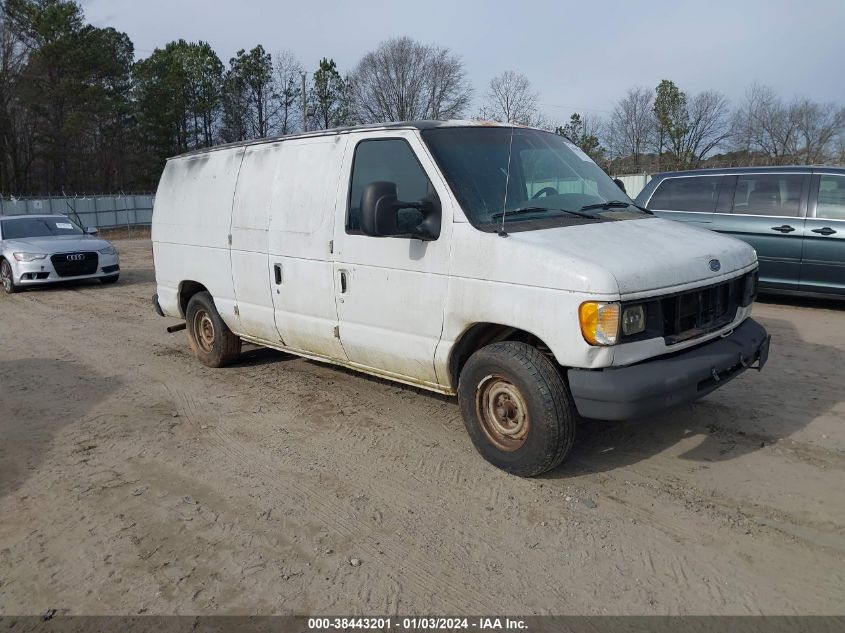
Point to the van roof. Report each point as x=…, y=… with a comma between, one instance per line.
x=400, y=125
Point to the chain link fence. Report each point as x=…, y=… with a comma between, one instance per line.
x=129, y=212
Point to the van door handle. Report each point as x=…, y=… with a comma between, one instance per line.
x=343, y=282
x=277, y=273
x=785, y=228
x=824, y=231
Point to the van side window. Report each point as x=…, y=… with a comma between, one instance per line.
x=831, y=204
x=690, y=193
x=768, y=194
x=390, y=160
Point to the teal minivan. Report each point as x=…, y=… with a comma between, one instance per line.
x=794, y=217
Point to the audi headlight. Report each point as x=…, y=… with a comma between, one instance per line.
x=633, y=320
x=108, y=250
x=28, y=257
x=599, y=322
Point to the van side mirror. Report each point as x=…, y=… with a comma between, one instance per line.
x=380, y=213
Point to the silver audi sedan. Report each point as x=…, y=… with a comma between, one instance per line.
x=43, y=249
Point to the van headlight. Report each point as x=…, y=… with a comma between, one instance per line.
x=599, y=322
x=633, y=320
x=28, y=257
x=749, y=289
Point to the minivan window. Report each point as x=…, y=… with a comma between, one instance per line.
x=390, y=160
x=831, y=203
x=689, y=193
x=537, y=179
x=768, y=194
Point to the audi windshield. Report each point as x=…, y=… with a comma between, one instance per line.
x=18, y=228
x=524, y=179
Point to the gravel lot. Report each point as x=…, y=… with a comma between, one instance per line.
x=135, y=480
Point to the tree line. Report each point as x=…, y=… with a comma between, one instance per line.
x=79, y=112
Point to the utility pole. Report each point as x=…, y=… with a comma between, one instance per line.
x=304, y=109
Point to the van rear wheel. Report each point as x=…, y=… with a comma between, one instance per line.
x=210, y=338
x=517, y=408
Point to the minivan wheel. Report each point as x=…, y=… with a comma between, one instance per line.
x=212, y=341
x=517, y=408
x=7, y=278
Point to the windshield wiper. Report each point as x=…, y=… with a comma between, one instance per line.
x=524, y=210
x=520, y=211
x=614, y=204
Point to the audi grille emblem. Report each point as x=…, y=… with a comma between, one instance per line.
x=78, y=257
x=715, y=265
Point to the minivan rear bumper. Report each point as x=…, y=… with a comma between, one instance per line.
x=658, y=384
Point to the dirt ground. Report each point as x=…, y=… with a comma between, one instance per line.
x=135, y=480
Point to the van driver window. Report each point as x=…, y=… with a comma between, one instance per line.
x=390, y=160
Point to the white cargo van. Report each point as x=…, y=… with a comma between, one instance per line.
x=494, y=262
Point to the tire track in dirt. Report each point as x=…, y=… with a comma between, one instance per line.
x=392, y=554
x=427, y=582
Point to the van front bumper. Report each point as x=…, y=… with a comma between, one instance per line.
x=658, y=384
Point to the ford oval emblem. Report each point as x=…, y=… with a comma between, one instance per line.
x=715, y=265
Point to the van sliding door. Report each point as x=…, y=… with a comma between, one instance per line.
x=303, y=197
x=248, y=250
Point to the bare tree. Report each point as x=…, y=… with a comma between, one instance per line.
x=449, y=92
x=510, y=99
x=818, y=128
x=403, y=80
x=287, y=76
x=839, y=148
x=632, y=124
x=765, y=125
x=708, y=126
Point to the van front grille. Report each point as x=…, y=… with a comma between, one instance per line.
x=690, y=314
x=684, y=315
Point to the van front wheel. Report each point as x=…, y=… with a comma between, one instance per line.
x=212, y=341
x=517, y=408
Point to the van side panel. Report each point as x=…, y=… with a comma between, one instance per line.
x=251, y=272
x=190, y=229
x=303, y=199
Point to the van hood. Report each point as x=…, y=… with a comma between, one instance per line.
x=624, y=257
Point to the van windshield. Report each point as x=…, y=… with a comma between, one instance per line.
x=525, y=178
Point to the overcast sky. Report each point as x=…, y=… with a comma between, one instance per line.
x=579, y=55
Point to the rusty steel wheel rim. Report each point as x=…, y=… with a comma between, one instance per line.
x=203, y=329
x=502, y=412
x=6, y=276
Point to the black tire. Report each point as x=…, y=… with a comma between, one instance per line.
x=210, y=338
x=110, y=279
x=517, y=408
x=7, y=278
